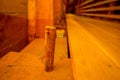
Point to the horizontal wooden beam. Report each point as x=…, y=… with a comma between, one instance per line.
x=84, y=3
x=101, y=15
x=100, y=9
x=98, y=3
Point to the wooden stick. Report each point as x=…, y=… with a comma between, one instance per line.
x=50, y=47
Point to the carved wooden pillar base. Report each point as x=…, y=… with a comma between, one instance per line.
x=50, y=47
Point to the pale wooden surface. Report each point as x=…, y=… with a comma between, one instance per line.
x=35, y=47
x=29, y=63
x=94, y=47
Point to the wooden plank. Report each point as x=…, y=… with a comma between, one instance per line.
x=98, y=3
x=101, y=15
x=100, y=9
x=90, y=45
x=84, y=3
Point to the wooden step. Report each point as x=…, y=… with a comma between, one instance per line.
x=9, y=58
x=25, y=66
x=35, y=47
x=30, y=66
x=34, y=70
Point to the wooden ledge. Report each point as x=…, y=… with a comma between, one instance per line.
x=50, y=27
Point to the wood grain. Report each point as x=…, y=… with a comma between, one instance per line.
x=94, y=47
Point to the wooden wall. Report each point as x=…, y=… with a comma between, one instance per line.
x=13, y=25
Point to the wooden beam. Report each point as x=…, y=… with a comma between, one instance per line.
x=98, y=3
x=84, y=3
x=101, y=15
x=101, y=9
x=31, y=20
x=50, y=47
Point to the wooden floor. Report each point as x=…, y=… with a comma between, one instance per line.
x=29, y=63
x=94, y=47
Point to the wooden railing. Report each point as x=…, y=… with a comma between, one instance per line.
x=106, y=9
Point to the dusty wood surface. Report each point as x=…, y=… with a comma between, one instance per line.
x=29, y=63
x=94, y=47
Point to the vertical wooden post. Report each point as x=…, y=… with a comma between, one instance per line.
x=50, y=47
x=31, y=19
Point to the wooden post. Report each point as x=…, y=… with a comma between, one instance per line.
x=50, y=47
x=32, y=20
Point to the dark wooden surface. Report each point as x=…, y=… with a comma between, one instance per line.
x=13, y=33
